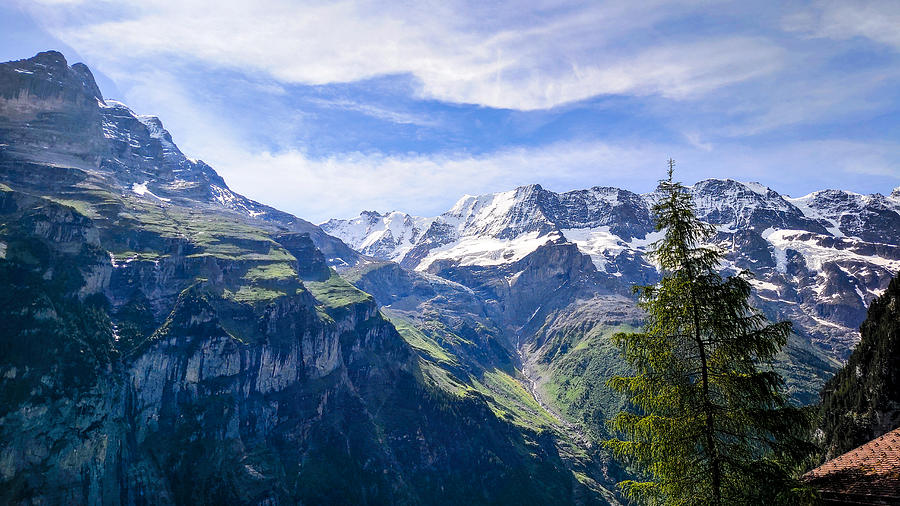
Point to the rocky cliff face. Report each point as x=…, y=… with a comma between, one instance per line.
x=50, y=110
x=170, y=341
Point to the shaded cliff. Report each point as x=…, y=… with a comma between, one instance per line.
x=862, y=401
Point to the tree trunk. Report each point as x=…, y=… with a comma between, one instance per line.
x=710, y=429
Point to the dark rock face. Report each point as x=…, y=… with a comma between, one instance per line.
x=748, y=206
x=49, y=111
x=311, y=263
x=621, y=210
x=517, y=290
x=167, y=341
x=389, y=283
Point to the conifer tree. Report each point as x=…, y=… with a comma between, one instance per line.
x=710, y=424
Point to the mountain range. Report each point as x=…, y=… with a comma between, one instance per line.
x=819, y=259
x=171, y=341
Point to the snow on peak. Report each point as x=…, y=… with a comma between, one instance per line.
x=895, y=195
x=389, y=236
x=849, y=213
x=501, y=215
x=732, y=186
x=758, y=188
x=603, y=222
x=499, y=227
x=156, y=129
x=109, y=103
x=606, y=194
x=739, y=205
x=479, y=229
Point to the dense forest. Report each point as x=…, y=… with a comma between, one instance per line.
x=862, y=400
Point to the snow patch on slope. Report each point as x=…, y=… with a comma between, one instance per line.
x=803, y=204
x=603, y=246
x=815, y=254
x=141, y=189
x=597, y=243
x=488, y=250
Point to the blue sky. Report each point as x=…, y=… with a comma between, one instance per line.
x=324, y=109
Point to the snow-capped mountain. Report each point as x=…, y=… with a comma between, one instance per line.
x=499, y=228
x=818, y=259
x=386, y=236
x=871, y=218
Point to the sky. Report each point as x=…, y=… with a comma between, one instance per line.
x=325, y=109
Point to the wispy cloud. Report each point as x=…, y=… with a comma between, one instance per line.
x=340, y=186
x=803, y=99
x=506, y=55
x=877, y=20
x=376, y=111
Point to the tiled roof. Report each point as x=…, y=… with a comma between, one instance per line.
x=869, y=474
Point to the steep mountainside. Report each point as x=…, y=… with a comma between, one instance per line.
x=862, y=401
x=170, y=341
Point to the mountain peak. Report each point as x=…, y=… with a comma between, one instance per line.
x=58, y=118
x=87, y=79
x=530, y=187
x=727, y=183
x=48, y=74
x=157, y=130
x=50, y=58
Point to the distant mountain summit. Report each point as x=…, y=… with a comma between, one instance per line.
x=818, y=259
x=871, y=218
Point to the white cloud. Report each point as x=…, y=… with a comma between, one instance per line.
x=499, y=55
x=342, y=186
x=877, y=20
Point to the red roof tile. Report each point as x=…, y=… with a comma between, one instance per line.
x=869, y=474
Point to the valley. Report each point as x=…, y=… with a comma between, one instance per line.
x=169, y=339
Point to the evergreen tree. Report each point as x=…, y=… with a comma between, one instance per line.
x=711, y=424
